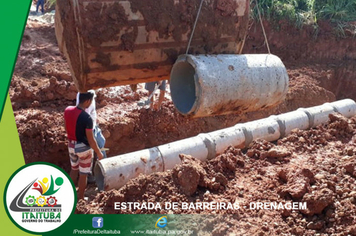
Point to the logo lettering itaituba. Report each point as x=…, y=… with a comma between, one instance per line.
x=41, y=215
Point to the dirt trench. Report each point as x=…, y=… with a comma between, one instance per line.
x=316, y=167
x=41, y=88
x=320, y=70
x=310, y=53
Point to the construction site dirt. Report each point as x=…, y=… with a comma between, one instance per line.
x=316, y=166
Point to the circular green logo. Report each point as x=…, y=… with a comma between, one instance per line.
x=39, y=197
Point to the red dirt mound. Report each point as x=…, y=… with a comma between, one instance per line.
x=316, y=167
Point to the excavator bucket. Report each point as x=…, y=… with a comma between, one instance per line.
x=122, y=42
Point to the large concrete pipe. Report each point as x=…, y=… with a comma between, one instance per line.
x=120, y=42
x=114, y=172
x=207, y=85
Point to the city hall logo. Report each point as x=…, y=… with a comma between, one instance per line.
x=42, y=207
x=39, y=197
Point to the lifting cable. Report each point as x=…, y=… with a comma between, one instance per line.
x=195, y=24
x=196, y=20
x=263, y=28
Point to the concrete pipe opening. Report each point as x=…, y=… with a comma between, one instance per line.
x=99, y=177
x=209, y=85
x=183, y=88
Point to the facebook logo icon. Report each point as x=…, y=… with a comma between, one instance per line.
x=98, y=222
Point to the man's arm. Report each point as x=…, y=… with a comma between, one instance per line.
x=93, y=144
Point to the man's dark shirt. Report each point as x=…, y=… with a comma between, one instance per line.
x=77, y=122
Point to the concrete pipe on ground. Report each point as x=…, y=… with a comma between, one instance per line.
x=207, y=85
x=116, y=171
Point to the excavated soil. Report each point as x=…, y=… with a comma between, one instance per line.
x=42, y=87
x=316, y=166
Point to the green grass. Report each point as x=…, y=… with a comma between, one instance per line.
x=51, y=2
x=341, y=13
x=305, y=12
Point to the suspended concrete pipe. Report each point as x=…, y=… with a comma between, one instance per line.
x=114, y=172
x=206, y=85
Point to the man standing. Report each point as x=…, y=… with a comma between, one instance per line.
x=151, y=89
x=81, y=142
x=91, y=110
x=40, y=2
x=98, y=135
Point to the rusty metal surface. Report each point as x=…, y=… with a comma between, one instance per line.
x=117, y=42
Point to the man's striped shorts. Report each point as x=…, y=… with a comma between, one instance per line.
x=81, y=157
